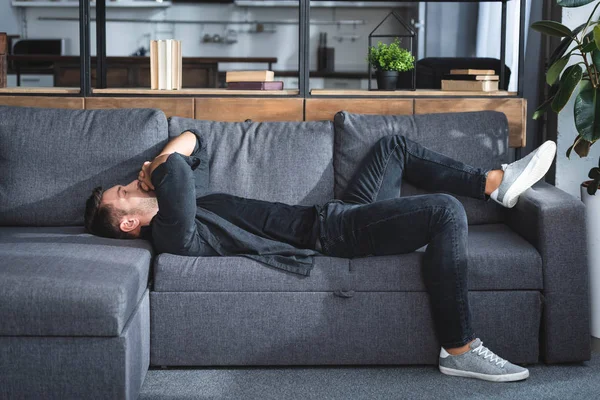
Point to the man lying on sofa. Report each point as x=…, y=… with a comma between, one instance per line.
x=170, y=204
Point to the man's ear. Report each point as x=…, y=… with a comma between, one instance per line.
x=129, y=224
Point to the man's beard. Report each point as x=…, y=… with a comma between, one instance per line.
x=147, y=205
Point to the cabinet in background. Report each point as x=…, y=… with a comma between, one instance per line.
x=136, y=75
x=341, y=83
x=30, y=80
x=291, y=82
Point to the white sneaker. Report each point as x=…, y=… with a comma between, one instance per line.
x=522, y=174
x=481, y=363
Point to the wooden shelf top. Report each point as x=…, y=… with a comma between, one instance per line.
x=40, y=90
x=143, y=59
x=146, y=91
x=288, y=92
x=408, y=93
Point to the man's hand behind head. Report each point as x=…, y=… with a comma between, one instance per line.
x=144, y=177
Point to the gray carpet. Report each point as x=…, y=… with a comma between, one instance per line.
x=572, y=381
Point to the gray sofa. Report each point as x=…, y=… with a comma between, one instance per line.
x=85, y=317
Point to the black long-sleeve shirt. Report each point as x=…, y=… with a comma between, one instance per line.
x=193, y=222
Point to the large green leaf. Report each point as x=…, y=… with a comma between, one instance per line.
x=573, y=3
x=587, y=111
x=562, y=48
x=582, y=148
x=568, y=82
x=555, y=70
x=593, y=187
x=577, y=139
x=551, y=28
x=596, y=32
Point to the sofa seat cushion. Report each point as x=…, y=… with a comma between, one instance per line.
x=64, y=282
x=174, y=273
x=499, y=259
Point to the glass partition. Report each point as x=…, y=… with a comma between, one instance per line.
x=339, y=37
x=448, y=35
x=216, y=37
x=43, y=39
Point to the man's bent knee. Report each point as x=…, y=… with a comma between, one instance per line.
x=453, y=208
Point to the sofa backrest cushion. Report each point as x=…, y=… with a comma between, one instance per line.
x=478, y=138
x=51, y=159
x=289, y=162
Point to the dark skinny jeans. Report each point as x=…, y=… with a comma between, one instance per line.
x=371, y=219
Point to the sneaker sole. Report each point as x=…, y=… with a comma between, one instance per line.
x=533, y=172
x=486, y=377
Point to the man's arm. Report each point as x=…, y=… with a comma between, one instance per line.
x=175, y=175
x=183, y=144
x=174, y=227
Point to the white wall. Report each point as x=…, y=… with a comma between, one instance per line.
x=8, y=18
x=571, y=172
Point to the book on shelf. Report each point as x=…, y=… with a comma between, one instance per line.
x=175, y=64
x=162, y=61
x=476, y=86
x=169, y=64
x=153, y=64
x=249, y=76
x=472, y=72
x=165, y=64
x=180, y=65
x=269, y=85
x=457, y=77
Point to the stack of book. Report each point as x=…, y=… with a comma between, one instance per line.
x=252, y=80
x=165, y=64
x=480, y=80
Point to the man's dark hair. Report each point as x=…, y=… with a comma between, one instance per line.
x=103, y=220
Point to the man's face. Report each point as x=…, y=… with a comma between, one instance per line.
x=131, y=199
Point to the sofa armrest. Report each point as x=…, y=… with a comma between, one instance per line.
x=554, y=222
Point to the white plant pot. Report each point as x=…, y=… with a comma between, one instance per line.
x=592, y=204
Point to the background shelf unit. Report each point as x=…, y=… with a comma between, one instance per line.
x=110, y=4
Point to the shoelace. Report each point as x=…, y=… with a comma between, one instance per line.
x=485, y=352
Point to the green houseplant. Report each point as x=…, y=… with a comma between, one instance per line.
x=586, y=51
x=389, y=61
x=594, y=175
x=587, y=54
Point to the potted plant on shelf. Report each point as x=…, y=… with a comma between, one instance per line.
x=586, y=117
x=389, y=62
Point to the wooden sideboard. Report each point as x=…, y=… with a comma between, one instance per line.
x=289, y=109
